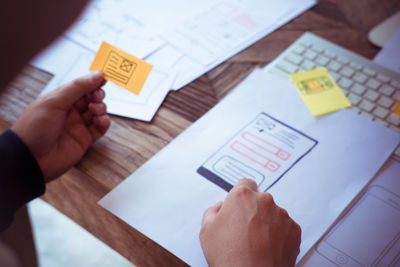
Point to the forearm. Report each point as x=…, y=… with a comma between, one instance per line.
x=21, y=179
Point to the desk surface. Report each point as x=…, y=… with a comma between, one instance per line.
x=129, y=143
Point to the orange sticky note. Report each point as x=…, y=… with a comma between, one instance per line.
x=396, y=109
x=121, y=68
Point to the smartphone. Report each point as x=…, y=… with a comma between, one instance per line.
x=369, y=234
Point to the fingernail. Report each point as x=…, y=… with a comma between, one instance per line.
x=97, y=76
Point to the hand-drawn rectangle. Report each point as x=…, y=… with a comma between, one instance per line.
x=264, y=150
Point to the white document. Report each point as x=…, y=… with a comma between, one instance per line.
x=264, y=150
x=389, y=56
x=118, y=100
x=187, y=38
x=165, y=199
x=369, y=233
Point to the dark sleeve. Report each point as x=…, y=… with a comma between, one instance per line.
x=21, y=179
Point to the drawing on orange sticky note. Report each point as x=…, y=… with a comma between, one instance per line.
x=118, y=67
x=121, y=68
x=264, y=150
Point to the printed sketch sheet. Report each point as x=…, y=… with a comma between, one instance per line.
x=185, y=37
x=262, y=130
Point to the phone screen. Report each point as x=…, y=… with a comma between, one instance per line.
x=369, y=235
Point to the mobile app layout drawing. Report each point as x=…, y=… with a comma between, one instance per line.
x=264, y=150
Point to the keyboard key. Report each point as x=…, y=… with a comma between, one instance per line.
x=367, y=105
x=359, y=77
x=371, y=95
x=343, y=60
x=367, y=115
x=396, y=95
x=321, y=60
x=383, y=78
x=334, y=66
x=397, y=152
x=387, y=90
x=373, y=83
x=299, y=49
x=382, y=122
x=308, y=65
x=355, y=109
x=329, y=54
x=395, y=84
x=311, y=55
x=358, y=89
x=287, y=66
x=386, y=102
x=296, y=59
x=346, y=71
x=354, y=99
x=336, y=76
x=369, y=72
x=381, y=112
x=345, y=83
x=355, y=65
x=280, y=73
x=393, y=119
x=316, y=48
x=305, y=44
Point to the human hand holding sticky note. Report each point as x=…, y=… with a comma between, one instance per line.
x=121, y=68
x=319, y=91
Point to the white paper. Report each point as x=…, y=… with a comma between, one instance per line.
x=368, y=235
x=166, y=197
x=389, y=56
x=112, y=21
x=188, y=38
x=264, y=150
x=119, y=101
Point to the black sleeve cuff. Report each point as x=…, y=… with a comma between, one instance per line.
x=21, y=178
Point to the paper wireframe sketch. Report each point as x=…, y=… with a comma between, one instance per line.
x=141, y=30
x=264, y=150
x=169, y=189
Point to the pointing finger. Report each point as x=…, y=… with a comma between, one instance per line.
x=247, y=183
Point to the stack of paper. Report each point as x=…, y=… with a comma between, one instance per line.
x=187, y=38
x=262, y=130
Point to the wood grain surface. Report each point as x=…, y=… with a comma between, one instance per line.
x=129, y=143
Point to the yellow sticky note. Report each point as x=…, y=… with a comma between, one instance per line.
x=319, y=91
x=396, y=109
x=121, y=68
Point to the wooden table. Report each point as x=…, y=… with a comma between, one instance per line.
x=129, y=143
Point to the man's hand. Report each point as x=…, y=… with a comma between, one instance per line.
x=249, y=229
x=59, y=127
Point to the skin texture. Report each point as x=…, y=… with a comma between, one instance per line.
x=59, y=127
x=248, y=229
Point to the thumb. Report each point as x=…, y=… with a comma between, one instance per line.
x=247, y=183
x=68, y=94
x=210, y=213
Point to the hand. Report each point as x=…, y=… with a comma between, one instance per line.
x=59, y=127
x=249, y=229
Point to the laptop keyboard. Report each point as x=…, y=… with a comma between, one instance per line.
x=372, y=89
